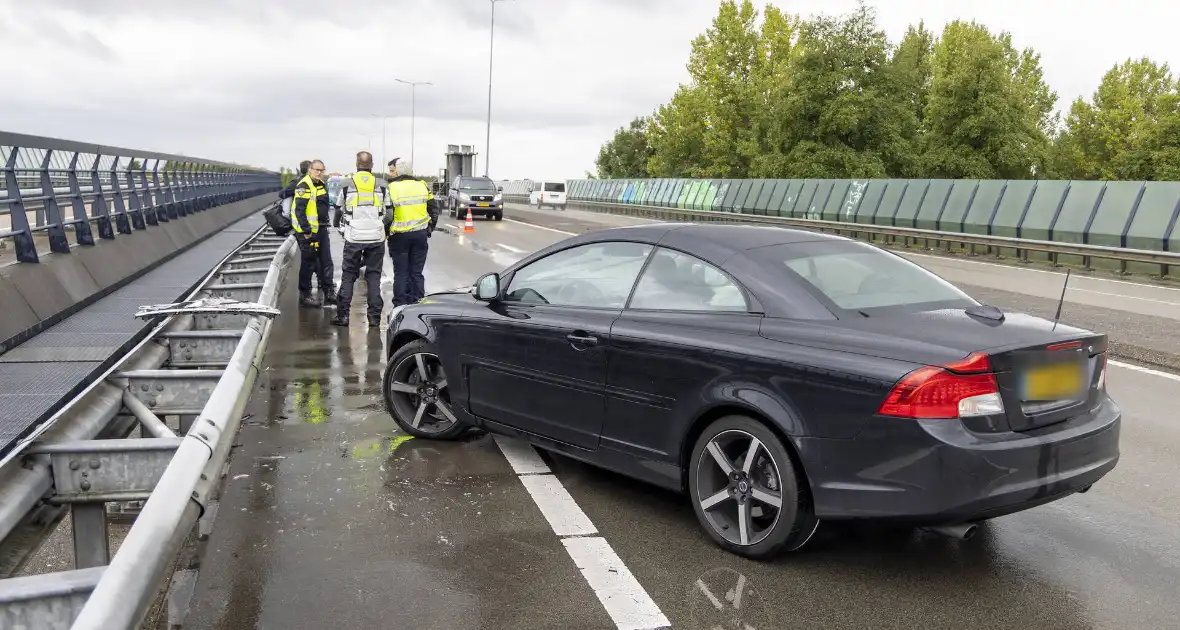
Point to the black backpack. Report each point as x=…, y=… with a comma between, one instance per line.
x=278, y=222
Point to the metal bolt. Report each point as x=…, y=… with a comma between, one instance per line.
x=204, y=477
x=195, y=495
x=85, y=485
x=159, y=387
x=94, y=463
x=151, y=402
x=144, y=387
x=188, y=356
x=74, y=465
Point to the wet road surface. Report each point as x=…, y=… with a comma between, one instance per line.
x=331, y=518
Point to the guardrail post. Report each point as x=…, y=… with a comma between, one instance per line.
x=91, y=536
x=53, y=219
x=159, y=202
x=121, y=220
x=185, y=187
x=141, y=215
x=22, y=232
x=105, y=228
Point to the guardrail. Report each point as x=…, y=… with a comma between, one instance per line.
x=88, y=460
x=1021, y=246
x=128, y=189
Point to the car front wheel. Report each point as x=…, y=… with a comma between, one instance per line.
x=746, y=490
x=417, y=393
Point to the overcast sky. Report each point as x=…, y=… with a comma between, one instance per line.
x=269, y=83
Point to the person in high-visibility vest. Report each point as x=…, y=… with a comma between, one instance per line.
x=361, y=206
x=310, y=222
x=415, y=213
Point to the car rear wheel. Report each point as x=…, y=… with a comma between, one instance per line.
x=417, y=393
x=746, y=490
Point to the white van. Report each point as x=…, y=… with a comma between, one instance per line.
x=550, y=194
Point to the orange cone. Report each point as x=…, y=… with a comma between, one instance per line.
x=469, y=227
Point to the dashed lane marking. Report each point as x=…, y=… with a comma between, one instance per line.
x=623, y=597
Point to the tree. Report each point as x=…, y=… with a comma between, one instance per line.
x=1121, y=134
x=625, y=156
x=676, y=134
x=989, y=112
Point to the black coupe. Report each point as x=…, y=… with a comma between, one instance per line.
x=780, y=377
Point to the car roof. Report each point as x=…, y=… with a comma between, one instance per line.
x=713, y=242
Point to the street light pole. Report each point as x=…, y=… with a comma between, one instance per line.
x=487, y=148
x=413, y=109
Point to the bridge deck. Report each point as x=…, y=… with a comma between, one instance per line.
x=45, y=371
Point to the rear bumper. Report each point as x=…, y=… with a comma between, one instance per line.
x=936, y=471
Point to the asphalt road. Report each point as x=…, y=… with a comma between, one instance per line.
x=331, y=518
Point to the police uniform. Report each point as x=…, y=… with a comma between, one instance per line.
x=310, y=217
x=361, y=207
x=415, y=213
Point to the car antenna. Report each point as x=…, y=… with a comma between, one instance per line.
x=1061, y=301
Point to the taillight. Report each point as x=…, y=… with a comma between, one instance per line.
x=962, y=389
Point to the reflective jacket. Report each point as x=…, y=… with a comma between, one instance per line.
x=362, y=201
x=311, y=206
x=414, y=207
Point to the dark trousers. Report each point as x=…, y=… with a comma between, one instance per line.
x=316, y=261
x=356, y=255
x=408, y=251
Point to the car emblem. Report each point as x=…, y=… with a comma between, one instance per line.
x=743, y=486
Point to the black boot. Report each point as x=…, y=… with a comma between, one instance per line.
x=330, y=297
x=341, y=320
x=374, y=321
x=306, y=299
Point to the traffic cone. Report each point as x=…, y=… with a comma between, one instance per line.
x=469, y=227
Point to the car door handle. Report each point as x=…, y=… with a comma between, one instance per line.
x=582, y=339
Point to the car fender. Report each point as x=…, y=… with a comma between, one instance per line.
x=756, y=398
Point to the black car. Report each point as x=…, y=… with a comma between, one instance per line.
x=781, y=377
x=479, y=195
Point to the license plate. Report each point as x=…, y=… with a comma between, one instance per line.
x=481, y=205
x=1052, y=382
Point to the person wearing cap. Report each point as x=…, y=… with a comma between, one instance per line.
x=415, y=214
x=361, y=205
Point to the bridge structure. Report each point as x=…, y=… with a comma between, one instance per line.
x=181, y=446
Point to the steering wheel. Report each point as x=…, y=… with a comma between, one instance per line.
x=579, y=292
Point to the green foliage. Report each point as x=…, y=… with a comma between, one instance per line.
x=778, y=95
x=286, y=175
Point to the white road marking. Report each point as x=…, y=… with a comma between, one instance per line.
x=623, y=597
x=1123, y=296
x=620, y=593
x=1138, y=368
x=523, y=458
x=559, y=508
x=540, y=227
x=514, y=250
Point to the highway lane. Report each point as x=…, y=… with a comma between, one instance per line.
x=331, y=518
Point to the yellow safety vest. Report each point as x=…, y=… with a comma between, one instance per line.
x=409, y=197
x=310, y=193
x=365, y=184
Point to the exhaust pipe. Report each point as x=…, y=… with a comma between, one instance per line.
x=960, y=531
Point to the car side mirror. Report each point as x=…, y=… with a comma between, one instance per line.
x=487, y=288
x=499, y=189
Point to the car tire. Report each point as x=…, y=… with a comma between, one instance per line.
x=718, y=497
x=499, y=216
x=428, y=412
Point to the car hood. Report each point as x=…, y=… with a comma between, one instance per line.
x=927, y=337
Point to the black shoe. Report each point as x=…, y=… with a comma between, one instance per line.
x=340, y=320
x=374, y=321
x=306, y=299
x=330, y=297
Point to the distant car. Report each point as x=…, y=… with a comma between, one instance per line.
x=781, y=377
x=550, y=194
x=478, y=194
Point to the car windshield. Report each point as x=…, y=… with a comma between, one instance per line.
x=857, y=277
x=477, y=184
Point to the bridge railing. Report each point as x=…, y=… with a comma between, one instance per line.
x=51, y=187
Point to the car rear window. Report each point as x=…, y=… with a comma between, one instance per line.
x=857, y=277
x=554, y=186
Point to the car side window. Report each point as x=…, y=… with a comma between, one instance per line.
x=593, y=275
x=679, y=282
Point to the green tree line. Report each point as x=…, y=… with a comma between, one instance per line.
x=776, y=95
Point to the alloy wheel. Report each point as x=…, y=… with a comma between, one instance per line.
x=421, y=386
x=739, y=487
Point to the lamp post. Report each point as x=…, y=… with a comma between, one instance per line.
x=491, y=47
x=413, y=109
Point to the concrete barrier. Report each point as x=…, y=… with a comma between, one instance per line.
x=35, y=296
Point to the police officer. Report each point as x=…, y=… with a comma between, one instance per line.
x=415, y=213
x=310, y=219
x=361, y=206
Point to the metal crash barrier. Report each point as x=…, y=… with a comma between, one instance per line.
x=184, y=388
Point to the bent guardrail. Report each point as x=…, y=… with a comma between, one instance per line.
x=51, y=185
x=213, y=344
x=1021, y=246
